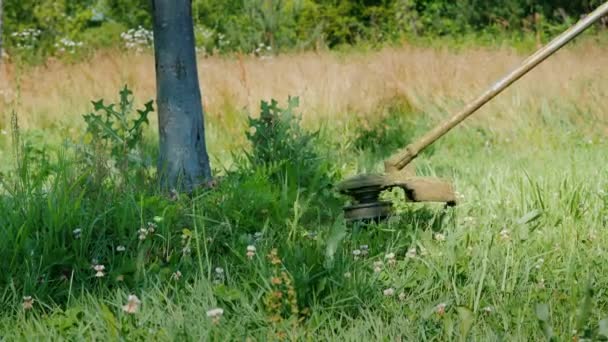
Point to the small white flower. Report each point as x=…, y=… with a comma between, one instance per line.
x=402, y=296
x=439, y=237
x=28, y=303
x=541, y=283
x=219, y=270
x=176, y=275
x=215, y=314
x=143, y=233
x=77, y=233
x=152, y=227
x=488, y=310
x=132, y=305
x=505, y=235
x=390, y=259
x=378, y=266
x=251, y=251
x=423, y=251
x=411, y=253
x=440, y=308
x=356, y=253
x=459, y=195
x=121, y=248
x=99, y=270
x=539, y=264
x=347, y=275
x=389, y=292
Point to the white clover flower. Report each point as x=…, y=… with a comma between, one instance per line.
x=143, y=233
x=439, y=237
x=176, y=275
x=28, y=303
x=132, y=305
x=541, y=283
x=505, y=235
x=121, y=248
x=215, y=314
x=440, y=308
x=152, y=227
x=356, y=253
x=390, y=259
x=347, y=275
x=378, y=266
x=389, y=292
x=251, y=251
x=99, y=270
x=77, y=233
x=411, y=253
x=402, y=296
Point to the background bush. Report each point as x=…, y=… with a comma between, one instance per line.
x=268, y=25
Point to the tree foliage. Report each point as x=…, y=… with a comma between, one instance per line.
x=247, y=25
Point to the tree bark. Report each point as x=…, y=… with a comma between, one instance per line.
x=184, y=163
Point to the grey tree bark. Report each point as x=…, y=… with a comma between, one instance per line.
x=184, y=163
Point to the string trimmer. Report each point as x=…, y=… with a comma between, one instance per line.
x=365, y=189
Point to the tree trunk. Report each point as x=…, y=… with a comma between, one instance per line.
x=184, y=163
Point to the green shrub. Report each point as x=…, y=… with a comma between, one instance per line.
x=254, y=26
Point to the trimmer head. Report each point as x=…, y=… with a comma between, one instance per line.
x=365, y=190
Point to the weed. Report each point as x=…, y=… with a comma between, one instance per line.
x=114, y=138
x=280, y=144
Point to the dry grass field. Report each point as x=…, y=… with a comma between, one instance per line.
x=331, y=86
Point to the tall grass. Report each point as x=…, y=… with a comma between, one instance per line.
x=332, y=86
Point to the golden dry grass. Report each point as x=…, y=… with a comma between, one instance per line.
x=330, y=85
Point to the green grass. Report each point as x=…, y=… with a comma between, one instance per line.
x=523, y=255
